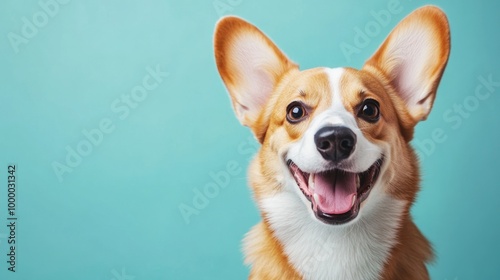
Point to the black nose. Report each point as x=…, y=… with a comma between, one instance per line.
x=335, y=143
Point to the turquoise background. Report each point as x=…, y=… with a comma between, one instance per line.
x=116, y=215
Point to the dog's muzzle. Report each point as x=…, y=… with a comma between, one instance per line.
x=336, y=194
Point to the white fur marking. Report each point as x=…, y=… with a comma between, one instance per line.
x=356, y=250
x=304, y=152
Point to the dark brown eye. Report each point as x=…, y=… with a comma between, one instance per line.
x=370, y=111
x=295, y=112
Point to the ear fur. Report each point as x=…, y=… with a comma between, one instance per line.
x=250, y=65
x=413, y=57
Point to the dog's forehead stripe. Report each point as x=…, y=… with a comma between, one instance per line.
x=335, y=77
x=339, y=110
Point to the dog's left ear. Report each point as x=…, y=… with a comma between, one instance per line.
x=413, y=58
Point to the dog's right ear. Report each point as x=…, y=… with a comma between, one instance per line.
x=250, y=65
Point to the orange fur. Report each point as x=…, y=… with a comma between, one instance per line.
x=376, y=80
x=267, y=257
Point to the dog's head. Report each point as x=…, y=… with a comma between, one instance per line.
x=332, y=135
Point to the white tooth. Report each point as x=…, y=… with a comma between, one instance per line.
x=316, y=198
x=357, y=181
x=353, y=200
x=311, y=182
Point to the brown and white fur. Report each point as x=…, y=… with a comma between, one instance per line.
x=378, y=106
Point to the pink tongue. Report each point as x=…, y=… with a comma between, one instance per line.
x=335, y=190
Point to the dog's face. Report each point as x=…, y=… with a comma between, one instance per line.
x=334, y=132
x=333, y=135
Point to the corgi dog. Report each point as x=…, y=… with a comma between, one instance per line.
x=335, y=176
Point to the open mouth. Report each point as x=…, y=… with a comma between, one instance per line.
x=336, y=195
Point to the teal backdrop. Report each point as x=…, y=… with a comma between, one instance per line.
x=130, y=163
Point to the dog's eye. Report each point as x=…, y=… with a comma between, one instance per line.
x=295, y=112
x=369, y=111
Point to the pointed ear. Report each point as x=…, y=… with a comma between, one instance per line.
x=250, y=66
x=413, y=58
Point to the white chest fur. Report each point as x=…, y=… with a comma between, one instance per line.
x=319, y=251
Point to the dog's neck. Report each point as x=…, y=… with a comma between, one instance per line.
x=320, y=251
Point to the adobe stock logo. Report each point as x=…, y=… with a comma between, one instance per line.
x=122, y=107
x=30, y=27
x=456, y=116
x=219, y=180
x=224, y=7
x=363, y=36
x=122, y=275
